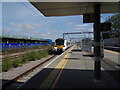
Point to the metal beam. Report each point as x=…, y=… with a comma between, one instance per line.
x=76, y=33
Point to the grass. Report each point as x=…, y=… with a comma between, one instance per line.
x=6, y=64
x=10, y=50
x=9, y=63
x=16, y=62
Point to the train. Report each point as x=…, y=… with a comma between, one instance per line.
x=61, y=45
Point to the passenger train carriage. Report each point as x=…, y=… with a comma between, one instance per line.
x=61, y=45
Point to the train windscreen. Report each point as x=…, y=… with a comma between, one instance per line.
x=59, y=42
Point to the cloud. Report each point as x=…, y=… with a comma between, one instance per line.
x=82, y=25
x=32, y=30
x=69, y=23
x=23, y=25
x=51, y=33
x=4, y=30
x=83, y=28
x=78, y=28
x=86, y=29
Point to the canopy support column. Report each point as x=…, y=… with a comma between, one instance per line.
x=97, y=62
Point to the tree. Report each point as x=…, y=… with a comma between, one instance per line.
x=115, y=21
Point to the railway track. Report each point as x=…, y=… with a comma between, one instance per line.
x=22, y=78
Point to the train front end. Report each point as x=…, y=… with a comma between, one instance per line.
x=59, y=45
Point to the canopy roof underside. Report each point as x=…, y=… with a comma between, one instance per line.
x=74, y=8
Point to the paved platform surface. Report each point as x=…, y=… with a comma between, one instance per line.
x=74, y=69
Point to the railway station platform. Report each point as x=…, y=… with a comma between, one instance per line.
x=73, y=69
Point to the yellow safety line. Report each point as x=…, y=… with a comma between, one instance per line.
x=59, y=74
x=111, y=51
x=51, y=76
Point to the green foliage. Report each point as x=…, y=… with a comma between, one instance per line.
x=36, y=47
x=115, y=31
x=106, y=35
x=6, y=64
x=25, y=58
x=23, y=48
x=50, y=51
x=115, y=20
x=16, y=62
x=33, y=56
x=9, y=63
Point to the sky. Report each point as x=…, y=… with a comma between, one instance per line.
x=23, y=19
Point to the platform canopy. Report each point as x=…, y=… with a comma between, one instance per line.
x=73, y=8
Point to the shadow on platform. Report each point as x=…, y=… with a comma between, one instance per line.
x=6, y=83
x=73, y=58
x=76, y=50
x=72, y=78
x=88, y=55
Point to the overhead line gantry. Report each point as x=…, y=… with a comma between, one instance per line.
x=76, y=33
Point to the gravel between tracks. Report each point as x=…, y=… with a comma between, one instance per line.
x=12, y=73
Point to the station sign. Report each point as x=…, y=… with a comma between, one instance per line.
x=88, y=18
x=105, y=26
